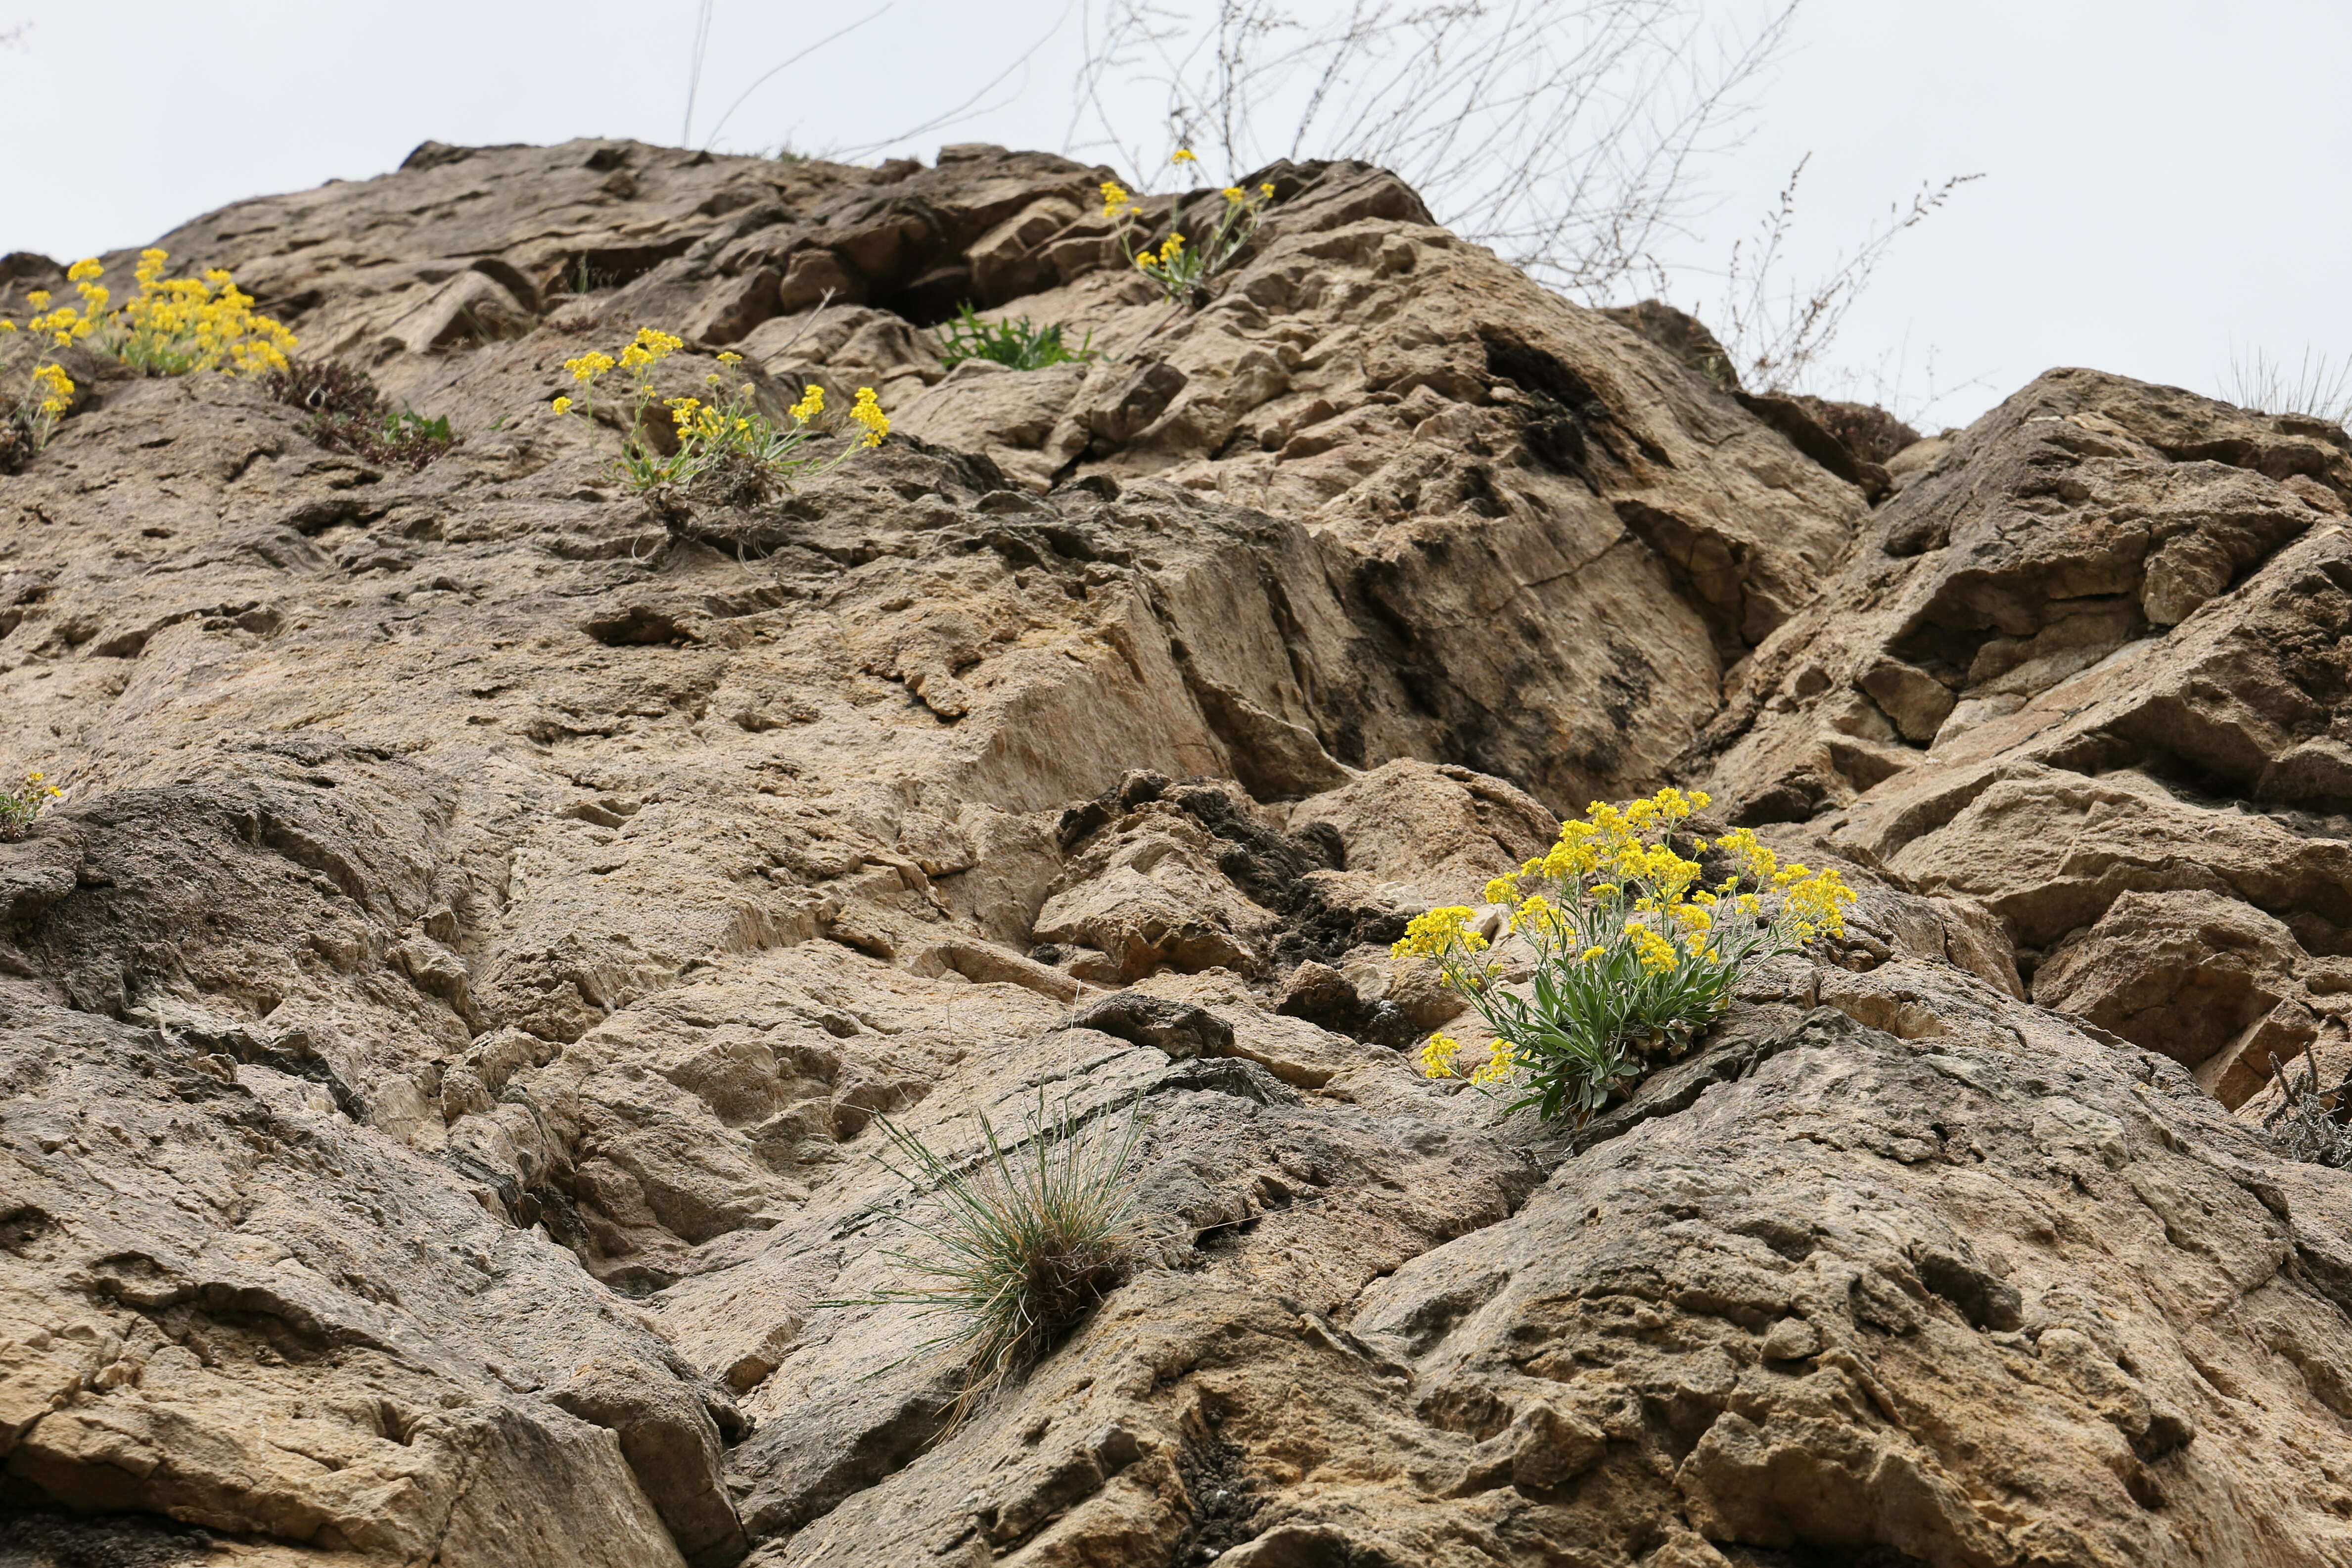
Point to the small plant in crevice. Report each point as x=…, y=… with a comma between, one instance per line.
x=1020, y=1244
x=2307, y=1124
x=349, y=414
x=728, y=447
x=1178, y=265
x=21, y=806
x=28, y=421
x=170, y=326
x=1015, y=344
x=1632, y=953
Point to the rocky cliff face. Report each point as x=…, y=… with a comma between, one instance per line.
x=443, y=1031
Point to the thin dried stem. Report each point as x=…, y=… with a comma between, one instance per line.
x=1565, y=134
x=1778, y=335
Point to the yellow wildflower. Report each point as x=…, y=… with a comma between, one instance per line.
x=38, y=298
x=1234, y=195
x=1497, y=1066
x=1265, y=190
x=1437, y=1056
x=1438, y=931
x=811, y=406
x=867, y=412
x=1185, y=155
x=1590, y=953
x=588, y=367
x=1657, y=954
x=87, y=268
x=562, y=405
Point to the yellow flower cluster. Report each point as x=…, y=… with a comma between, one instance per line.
x=1185, y=155
x=54, y=388
x=728, y=429
x=1437, y=1055
x=21, y=806
x=176, y=325
x=1178, y=265
x=1437, y=933
x=1170, y=254
x=170, y=327
x=867, y=414
x=650, y=346
x=1633, y=953
x=1654, y=952
x=696, y=420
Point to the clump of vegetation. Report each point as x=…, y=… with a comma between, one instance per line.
x=1179, y=266
x=2318, y=387
x=1015, y=343
x=727, y=442
x=28, y=423
x=2307, y=1124
x=1020, y=1246
x=21, y=806
x=171, y=326
x=349, y=414
x=1632, y=955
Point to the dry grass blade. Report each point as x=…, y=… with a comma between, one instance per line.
x=1019, y=1243
x=2318, y=387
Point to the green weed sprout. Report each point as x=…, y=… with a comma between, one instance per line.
x=1015, y=343
x=1632, y=955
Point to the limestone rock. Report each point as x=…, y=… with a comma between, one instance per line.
x=446, y=1030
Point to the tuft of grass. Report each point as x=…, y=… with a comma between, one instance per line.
x=349, y=414
x=1015, y=343
x=2318, y=387
x=1021, y=1244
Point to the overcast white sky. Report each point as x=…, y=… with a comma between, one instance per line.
x=2165, y=179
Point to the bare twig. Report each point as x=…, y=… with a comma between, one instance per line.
x=2308, y=1124
x=761, y=81
x=1777, y=334
x=802, y=331
x=1565, y=134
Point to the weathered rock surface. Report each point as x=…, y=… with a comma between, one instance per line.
x=442, y=1035
x=2089, y=669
